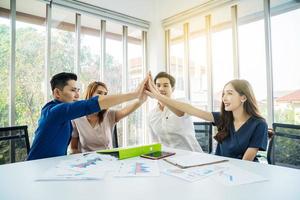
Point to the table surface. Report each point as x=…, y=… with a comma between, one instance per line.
x=17, y=181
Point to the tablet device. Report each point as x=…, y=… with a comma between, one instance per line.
x=157, y=155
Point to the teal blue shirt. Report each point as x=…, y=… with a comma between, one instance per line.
x=53, y=134
x=253, y=133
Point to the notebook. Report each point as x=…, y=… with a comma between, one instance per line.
x=194, y=160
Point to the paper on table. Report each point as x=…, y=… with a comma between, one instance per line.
x=233, y=176
x=66, y=174
x=86, y=167
x=194, y=160
x=194, y=174
x=138, y=168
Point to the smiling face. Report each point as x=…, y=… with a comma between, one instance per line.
x=164, y=86
x=69, y=93
x=232, y=100
x=100, y=91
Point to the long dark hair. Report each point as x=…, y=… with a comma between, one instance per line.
x=91, y=89
x=243, y=87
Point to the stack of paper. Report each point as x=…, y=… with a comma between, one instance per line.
x=194, y=160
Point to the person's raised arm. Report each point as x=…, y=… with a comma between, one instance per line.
x=108, y=101
x=130, y=108
x=184, y=107
x=177, y=112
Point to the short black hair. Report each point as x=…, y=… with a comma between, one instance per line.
x=165, y=75
x=60, y=80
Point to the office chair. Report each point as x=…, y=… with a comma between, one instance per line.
x=14, y=144
x=115, y=138
x=262, y=156
x=203, y=135
x=284, y=147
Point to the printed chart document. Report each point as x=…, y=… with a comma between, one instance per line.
x=86, y=167
x=194, y=160
x=194, y=174
x=233, y=176
x=138, y=168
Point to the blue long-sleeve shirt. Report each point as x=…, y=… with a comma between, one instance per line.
x=54, y=131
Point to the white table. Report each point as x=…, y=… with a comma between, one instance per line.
x=17, y=181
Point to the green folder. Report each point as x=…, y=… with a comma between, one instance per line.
x=128, y=152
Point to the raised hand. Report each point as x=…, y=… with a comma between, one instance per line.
x=151, y=88
x=141, y=88
x=143, y=98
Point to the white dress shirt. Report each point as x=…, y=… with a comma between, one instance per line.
x=173, y=131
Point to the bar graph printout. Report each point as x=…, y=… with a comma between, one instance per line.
x=194, y=174
x=86, y=167
x=224, y=173
x=233, y=176
x=138, y=168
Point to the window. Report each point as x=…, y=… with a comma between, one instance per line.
x=222, y=58
x=89, y=51
x=252, y=54
x=198, y=63
x=114, y=58
x=30, y=52
x=62, y=41
x=4, y=61
x=30, y=59
x=135, y=131
x=177, y=60
x=285, y=50
x=113, y=66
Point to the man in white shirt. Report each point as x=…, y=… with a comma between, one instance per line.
x=168, y=125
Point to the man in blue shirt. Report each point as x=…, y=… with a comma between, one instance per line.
x=54, y=130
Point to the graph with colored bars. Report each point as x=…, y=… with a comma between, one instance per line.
x=86, y=163
x=133, y=168
x=228, y=176
x=139, y=168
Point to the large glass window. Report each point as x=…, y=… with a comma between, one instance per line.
x=135, y=76
x=30, y=69
x=89, y=50
x=222, y=57
x=4, y=61
x=285, y=49
x=114, y=58
x=30, y=59
x=198, y=63
x=112, y=69
x=62, y=41
x=177, y=60
x=252, y=54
